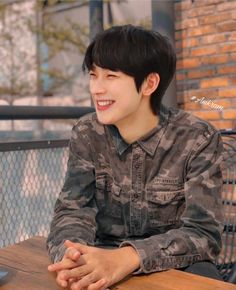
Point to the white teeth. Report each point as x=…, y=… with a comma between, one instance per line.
x=104, y=103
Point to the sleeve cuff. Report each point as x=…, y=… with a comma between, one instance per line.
x=140, y=252
x=60, y=253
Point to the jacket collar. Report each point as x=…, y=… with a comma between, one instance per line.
x=148, y=142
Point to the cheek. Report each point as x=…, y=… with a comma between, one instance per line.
x=90, y=87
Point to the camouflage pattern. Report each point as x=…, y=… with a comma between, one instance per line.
x=161, y=194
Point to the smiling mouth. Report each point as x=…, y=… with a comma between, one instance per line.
x=104, y=105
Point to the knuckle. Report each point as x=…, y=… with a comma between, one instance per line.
x=91, y=278
x=78, y=272
x=69, y=251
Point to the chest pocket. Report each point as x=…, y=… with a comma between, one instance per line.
x=165, y=202
x=108, y=196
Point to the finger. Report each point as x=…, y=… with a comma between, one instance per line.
x=99, y=285
x=85, y=282
x=70, y=282
x=61, y=282
x=81, y=248
x=76, y=273
x=72, y=254
x=65, y=284
x=63, y=265
x=69, y=261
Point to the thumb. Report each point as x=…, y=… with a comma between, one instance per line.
x=80, y=247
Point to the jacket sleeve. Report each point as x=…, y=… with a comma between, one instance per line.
x=75, y=209
x=199, y=237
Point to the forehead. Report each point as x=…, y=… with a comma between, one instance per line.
x=96, y=68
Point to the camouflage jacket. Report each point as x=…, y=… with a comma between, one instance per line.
x=160, y=194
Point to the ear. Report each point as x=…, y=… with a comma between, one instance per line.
x=150, y=84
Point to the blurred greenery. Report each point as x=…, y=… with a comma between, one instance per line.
x=50, y=39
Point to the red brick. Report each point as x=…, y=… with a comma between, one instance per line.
x=226, y=6
x=186, y=85
x=180, y=76
x=208, y=2
x=233, y=56
x=186, y=42
x=198, y=11
x=222, y=124
x=207, y=29
x=229, y=114
x=178, y=15
x=207, y=103
x=214, y=18
x=200, y=73
x=216, y=59
x=233, y=13
x=181, y=34
x=183, y=5
x=181, y=106
x=180, y=97
x=204, y=50
x=186, y=23
x=214, y=38
x=228, y=47
x=233, y=103
x=188, y=63
x=182, y=54
x=226, y=69
x=215, y=106
x=226, y=26
x=208, y=115
x=211, y=94
x=233, y=81
x=214, y=82
x=225, y=103
x=227, y=92
x=232, y=36
x=185, y=98
x=192, y=106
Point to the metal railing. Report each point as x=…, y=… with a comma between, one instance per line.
x=32, y=174
x=42, y=112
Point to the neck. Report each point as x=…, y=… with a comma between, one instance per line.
x=138, y=125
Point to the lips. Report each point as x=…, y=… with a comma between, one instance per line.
x=103, y=105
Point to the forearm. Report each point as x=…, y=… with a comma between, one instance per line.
x=175, y=249
x=74, y=225
x=75, y=209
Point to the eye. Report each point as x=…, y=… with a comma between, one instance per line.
x=92, y=74
x=111, y=75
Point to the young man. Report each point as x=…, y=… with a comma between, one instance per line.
x=142, y=190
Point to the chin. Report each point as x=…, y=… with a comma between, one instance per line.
x=105, y=121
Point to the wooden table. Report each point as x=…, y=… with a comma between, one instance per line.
x=27, y=265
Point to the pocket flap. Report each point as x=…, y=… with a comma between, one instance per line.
x=165, y=197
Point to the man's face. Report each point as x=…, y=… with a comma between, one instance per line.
x=114, y=95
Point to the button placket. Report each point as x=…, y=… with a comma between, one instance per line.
x=136, y=193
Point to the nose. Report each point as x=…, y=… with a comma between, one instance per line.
x=97, y=86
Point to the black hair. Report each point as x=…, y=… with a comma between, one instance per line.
x=136, y=52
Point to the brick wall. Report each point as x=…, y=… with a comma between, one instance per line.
x=206, y=66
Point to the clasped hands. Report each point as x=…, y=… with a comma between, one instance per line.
x=91, y=268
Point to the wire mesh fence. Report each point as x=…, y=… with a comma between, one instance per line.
x=31, y=180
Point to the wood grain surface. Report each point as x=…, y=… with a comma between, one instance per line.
x=27, y=264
